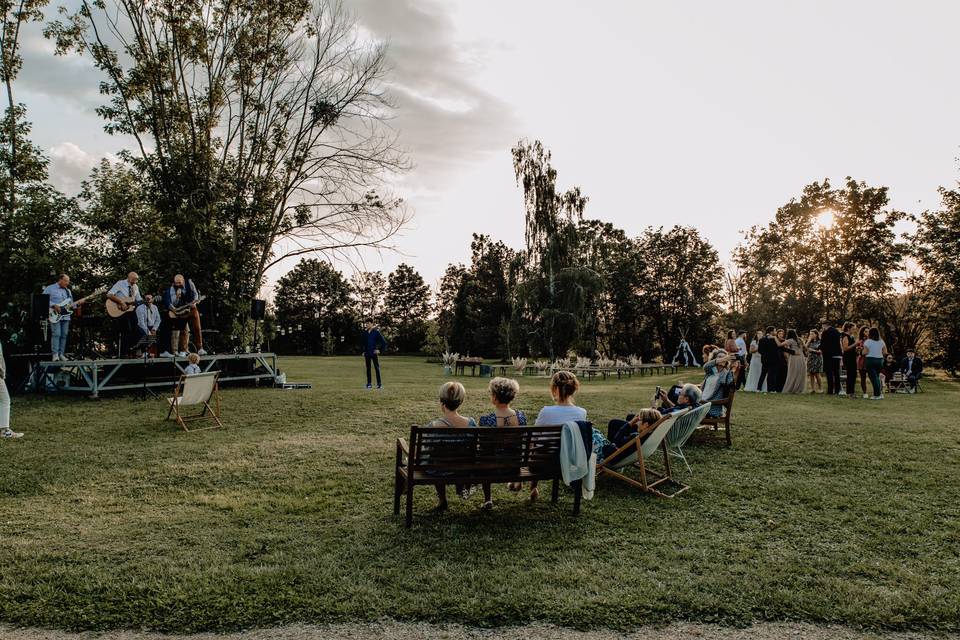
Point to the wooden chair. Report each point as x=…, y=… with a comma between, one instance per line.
x=682, y=429
x=193, y=391
x=714, y=423
x=637, y=452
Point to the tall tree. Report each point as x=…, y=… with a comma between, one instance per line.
x=315, y=298
x=258, y=128
x=406, y=308
x=369, y=291
x=556, y=285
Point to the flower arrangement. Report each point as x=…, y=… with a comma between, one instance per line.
x=542, y=366
x=449, y=359
x=519, y=365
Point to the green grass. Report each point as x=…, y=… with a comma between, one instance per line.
x=824, y=510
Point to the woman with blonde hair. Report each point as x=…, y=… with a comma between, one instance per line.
x=502, y=393
x=451, y=396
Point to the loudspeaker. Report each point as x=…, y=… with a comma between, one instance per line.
x=258, y=309
x=39, y=306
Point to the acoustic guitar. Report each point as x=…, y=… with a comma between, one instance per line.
x=114, y=310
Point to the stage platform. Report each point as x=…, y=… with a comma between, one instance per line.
x=93, y=377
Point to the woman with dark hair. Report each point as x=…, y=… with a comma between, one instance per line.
x=874, y=350
x=848, y=347
x=796, y=379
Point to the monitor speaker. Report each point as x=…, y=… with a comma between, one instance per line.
x=258, y=309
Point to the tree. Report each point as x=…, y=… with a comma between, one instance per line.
x=369, y=290
x=682, y=280
x=406, y=309
x=258, y=129
x=936, y=245
x=316, y=299
x=556, y=286
x=797, y=269
x=445, y=307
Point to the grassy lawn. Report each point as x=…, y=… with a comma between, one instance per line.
x=824, y=510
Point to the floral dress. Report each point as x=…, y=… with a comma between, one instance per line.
x=814, y=358
x=490, y=420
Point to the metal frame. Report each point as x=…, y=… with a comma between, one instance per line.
x=97, y=374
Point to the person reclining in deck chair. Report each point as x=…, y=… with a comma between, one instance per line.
x=620, y=432
x=718, y=380
x=690, y=395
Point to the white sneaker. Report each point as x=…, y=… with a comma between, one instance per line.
x=865, y=396
x=182, y=354
x=842, y=394
x=201, y=352
x=7, y=433
x=55, y=357
x=912, y=391
x=166, y=354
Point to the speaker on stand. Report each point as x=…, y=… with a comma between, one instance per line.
x=258, y=309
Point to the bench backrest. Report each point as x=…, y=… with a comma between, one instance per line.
x=490, y=450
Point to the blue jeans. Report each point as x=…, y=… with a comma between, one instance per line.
x=874, y=365
x=58, y=336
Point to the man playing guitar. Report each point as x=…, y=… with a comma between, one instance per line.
x=59, y=292
x=174, y=299
x=125, y=294
x=193, y=318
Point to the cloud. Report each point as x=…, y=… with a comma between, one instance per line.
x=444, y=118
x=70, y=165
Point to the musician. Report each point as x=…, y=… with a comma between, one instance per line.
x=193, y=318
x=178, y=295
x=126, y=294
x=59, y=291
x=148, y=317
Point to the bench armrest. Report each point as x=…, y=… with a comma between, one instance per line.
x=403, y=451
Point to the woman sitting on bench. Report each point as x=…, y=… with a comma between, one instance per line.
x=452, y=395
x=502, y=393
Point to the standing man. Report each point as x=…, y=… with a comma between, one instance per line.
x=177, y=295
x=770, y=360
x=741, y=358
x=59, y=291
x=373, y=344
x=912, y=367
x=848, y=348
x=193, y=320
x=832, y=354
x=148, y=317
x=126, y=293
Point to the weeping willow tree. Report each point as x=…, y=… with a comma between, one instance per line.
x=557, y=289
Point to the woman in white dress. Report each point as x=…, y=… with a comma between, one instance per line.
x=753, y=373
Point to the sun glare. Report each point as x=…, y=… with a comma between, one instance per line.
x=825, y=219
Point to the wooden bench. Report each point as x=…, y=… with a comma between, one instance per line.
x=445, y=455
x=714, y=423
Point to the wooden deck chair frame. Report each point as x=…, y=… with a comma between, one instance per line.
x=656, y=440
x=682, y=429
x=209, y=413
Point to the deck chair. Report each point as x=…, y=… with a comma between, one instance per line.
x=637, y=452
x=193, y=391
x=682, y=429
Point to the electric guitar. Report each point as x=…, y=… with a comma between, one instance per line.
x=69, y=305
x=184, y=311
x=114, y=310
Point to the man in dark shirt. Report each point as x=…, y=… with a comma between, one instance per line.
x=770, y=360
x=830, y=348
x=373, y=344
x=912, y=367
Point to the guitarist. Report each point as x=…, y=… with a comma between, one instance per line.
x=178, y=295
x=59, y=291
x=193, y=319
x=126, y=294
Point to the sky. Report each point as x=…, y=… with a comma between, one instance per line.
x=702, y=113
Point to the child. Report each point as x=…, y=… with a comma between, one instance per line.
x=194, y=366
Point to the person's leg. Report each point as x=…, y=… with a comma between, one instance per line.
x=912, y=382
x=376, y=366
x=366, y=359
x=764, y=371
x=851, y=367
x=613, y=428
x=442, y=496
x=833, y=375
x=64, y=334
x=196, y=328
x=873, y=369
x=863, y=380
x=487, y=494
x=4, y=406
x=184, y=336
x=55, y=340
x=818, y=383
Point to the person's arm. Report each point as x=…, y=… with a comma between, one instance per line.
x=155, y=325
x=142, y=319
x=381, y=341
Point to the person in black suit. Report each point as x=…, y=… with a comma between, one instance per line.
x=848, y=349
x=771, y=360
x=832, y=354
x=912, y=368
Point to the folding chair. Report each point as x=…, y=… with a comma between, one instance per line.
x=636, y=453
x=195, y=390
x=682, y=429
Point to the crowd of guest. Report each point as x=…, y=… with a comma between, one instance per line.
x=781, y=361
